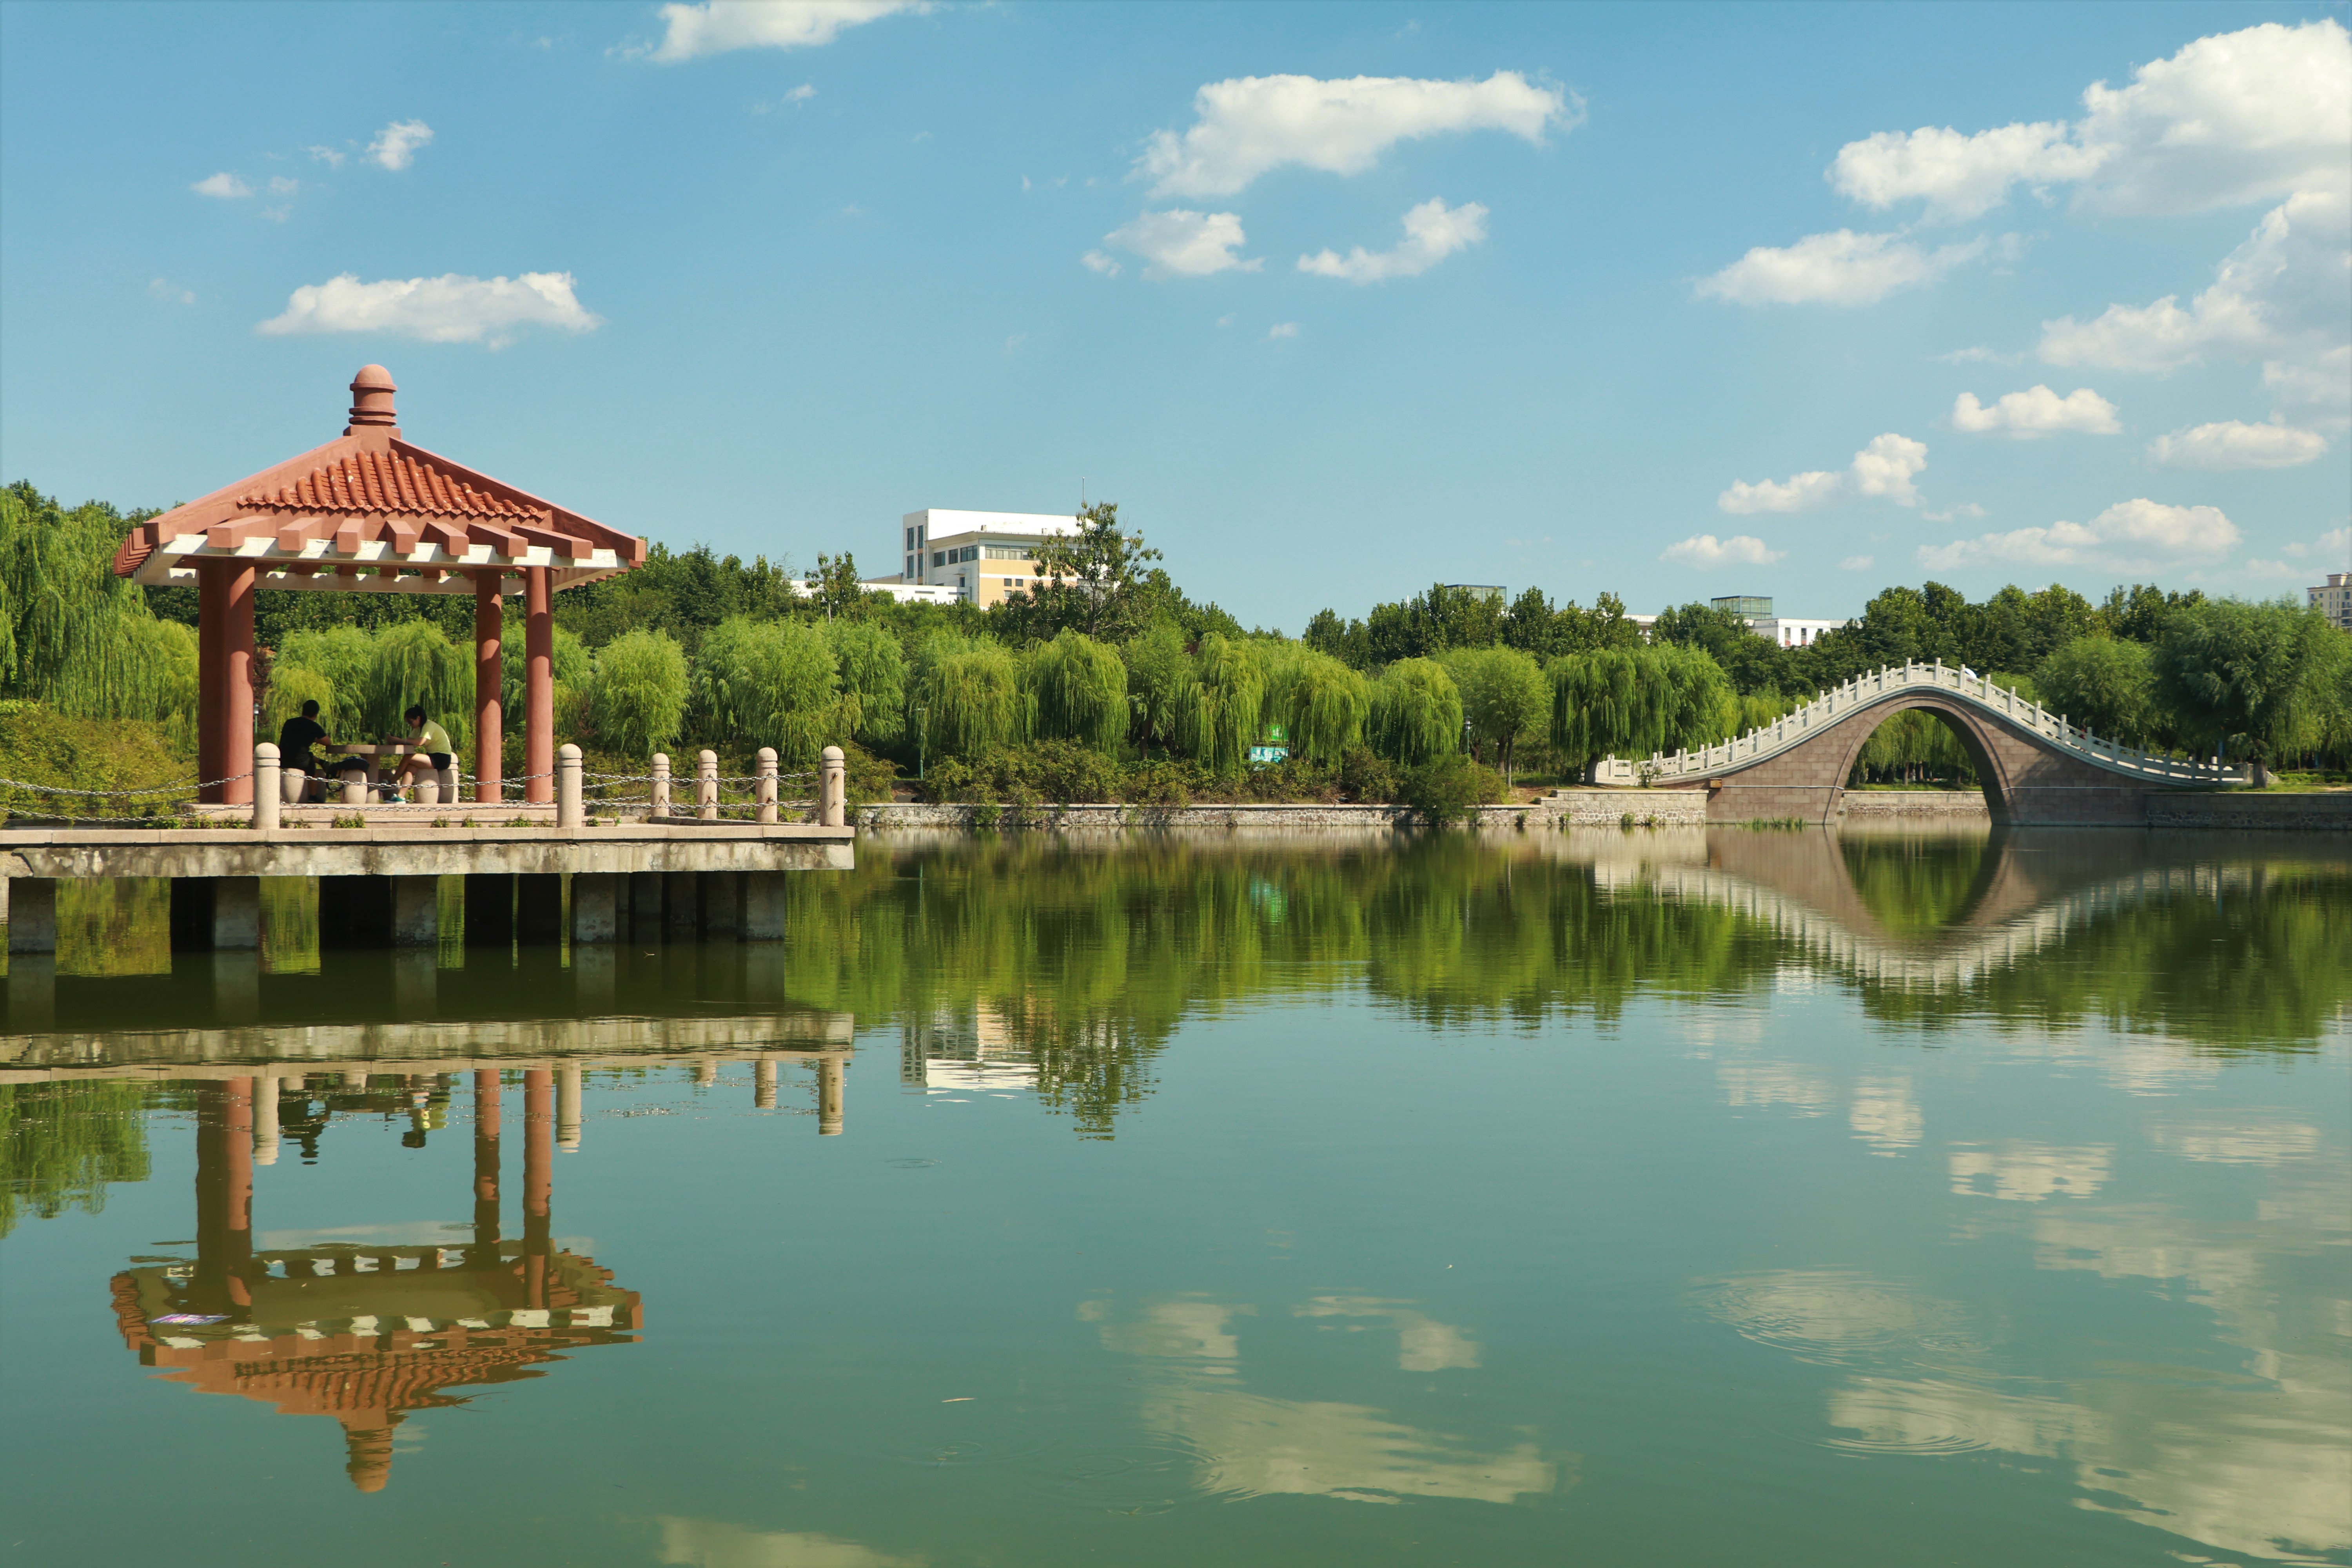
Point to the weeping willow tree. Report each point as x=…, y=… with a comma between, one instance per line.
x=1158, y=685
x=1078, y=691
x=1324, y=704
x=1505, y=698
x=967, y=695
x=768, y=683
x=873, y=673
x=1915, y=747
x=336, y=662
x=1219, y=721
x=414, y=664
x=637, y=698
x=1416, y=712
x=73, y=636
x=569, y=663
x=1631, y=702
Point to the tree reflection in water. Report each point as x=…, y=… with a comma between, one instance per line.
x=1077, y=959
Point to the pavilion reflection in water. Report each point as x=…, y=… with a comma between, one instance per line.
x=364, y=1332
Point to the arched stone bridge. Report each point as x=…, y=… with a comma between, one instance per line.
x=2037, y=769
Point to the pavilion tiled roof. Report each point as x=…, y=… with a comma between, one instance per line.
x=386, y=481
x=372, y=512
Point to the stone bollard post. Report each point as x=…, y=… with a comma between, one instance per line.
x=706, y=786
x=765, y=789
x=571, y=810
x=660, y=791
x=833, y=790
x=267, y=791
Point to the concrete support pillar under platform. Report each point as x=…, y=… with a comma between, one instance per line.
x=567, y=1109
x=538, y=907
x=236, y=987
x=489, y=910
x=215, y=914
x=828, y=1095
x=32, y=914
x=415, y=983
x=595, y=912
x=722, y=903
x=644, y=906
x=32, y=990
x=594, y=970
x=415, y=912
x=681, y=902
x=763, y=906
x=355, y=912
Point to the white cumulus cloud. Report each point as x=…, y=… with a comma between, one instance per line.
x=1282, y=330
x=1796, y=493
x=395, y=145
x=2232, y=118
x=1180, y=244
x=1245, y=126
x=2229, y=443
x=2037, y=411
x=2128, y=533
x=1857, y=562
x=1432, y=231
x=1707, y=550
x=1840, y=268
x=1887, y=466
x=1884, y=467
x=225, y=185
x=2278, y=297
x=1098, y=261
x=716, y=27
x=446, y=310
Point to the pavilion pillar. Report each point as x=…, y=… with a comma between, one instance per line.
x=237, y=685
x=539, y=685
x=539, y=1182
x=485, y=1251
x=212, y=670
x=489, y=727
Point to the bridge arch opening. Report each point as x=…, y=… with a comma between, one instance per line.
x=1927, y=745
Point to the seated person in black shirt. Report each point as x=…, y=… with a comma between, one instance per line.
x=301, y=732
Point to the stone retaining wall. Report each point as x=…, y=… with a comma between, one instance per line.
x=2297, y=812
x=1936, y=803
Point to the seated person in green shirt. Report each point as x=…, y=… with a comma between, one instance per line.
x=434, y=751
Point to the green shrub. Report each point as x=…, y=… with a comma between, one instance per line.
x=1449, y=789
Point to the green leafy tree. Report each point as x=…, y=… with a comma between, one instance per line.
x=2102, y=683
x=2261, y=680
x=2138, y=613
x=1078, y=689
x=834, y=585
x=639, y=694
x=344, y=658
x=1505, y=698
x=414, y=662
x=1088, y=581
x=1416, y=712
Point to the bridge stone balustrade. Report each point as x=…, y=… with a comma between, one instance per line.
x=2037, y=769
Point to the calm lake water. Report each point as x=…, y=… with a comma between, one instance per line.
x=1650, y=1197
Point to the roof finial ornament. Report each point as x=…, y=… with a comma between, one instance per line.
x=372, y=392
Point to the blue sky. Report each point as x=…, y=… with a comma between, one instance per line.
x=1335, y=300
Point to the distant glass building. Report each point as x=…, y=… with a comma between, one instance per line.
x=1749, y=606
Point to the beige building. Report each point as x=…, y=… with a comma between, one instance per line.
x=2334, y=599
x=981, y=555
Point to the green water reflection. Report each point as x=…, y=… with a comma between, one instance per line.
x=1652, y=1196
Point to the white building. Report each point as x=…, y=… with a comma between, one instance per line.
x=978, y=556
x=1789, y=631
x=2333, y=598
